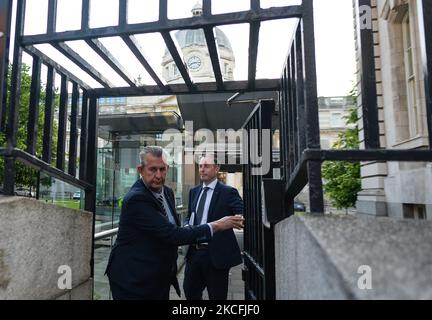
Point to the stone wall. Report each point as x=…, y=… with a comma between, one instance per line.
x=325, y=258
x=36, y=239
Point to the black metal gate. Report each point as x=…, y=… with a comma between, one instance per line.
x=267, y=200
x=259, y=266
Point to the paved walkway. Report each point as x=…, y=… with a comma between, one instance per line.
x=235, y=285
x=101, y=286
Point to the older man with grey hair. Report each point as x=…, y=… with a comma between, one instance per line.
x=142, y=264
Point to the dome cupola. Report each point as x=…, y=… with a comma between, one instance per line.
x=193, y=45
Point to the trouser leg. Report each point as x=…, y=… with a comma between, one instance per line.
x=194, y=276
x=217, y=283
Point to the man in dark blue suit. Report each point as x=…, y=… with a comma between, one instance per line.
x=208, y=264
x=142, y=264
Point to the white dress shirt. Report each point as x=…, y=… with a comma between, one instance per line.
x=211, y=186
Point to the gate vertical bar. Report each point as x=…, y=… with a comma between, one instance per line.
x=123, y=12
x=267, y=110
x=300, y=96
x=91, y=169
x=311, y=102
x=368, y=81
x=5, y=29
x=32, y=127
x=49, y=115
x=85, y=14
x=63, y=111
x=83, y=136
x=52, y=16
x=14, y=103
x=73, y=131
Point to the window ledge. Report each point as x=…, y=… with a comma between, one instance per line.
x=417, y=142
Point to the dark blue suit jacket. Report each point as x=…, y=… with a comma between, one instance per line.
x=143, y=258
x=223, y=248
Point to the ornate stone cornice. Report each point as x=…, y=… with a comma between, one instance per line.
x=394, y=10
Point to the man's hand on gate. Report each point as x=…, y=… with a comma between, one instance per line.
x=228, y=222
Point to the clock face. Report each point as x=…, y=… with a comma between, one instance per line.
x=194, y=63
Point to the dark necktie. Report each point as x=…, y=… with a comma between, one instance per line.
x=200, y=210
x=161, y=202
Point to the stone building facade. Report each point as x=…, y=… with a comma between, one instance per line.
x=397, y=189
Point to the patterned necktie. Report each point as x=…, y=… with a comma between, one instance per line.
x=200, y=210
x=161, y=202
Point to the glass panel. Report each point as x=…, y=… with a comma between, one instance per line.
x=107, y=215
x=412, y=107
x=60, y=193
x=107, y=199
x=102, y=250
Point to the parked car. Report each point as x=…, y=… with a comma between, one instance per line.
x=299, y=206
x=24, y=192
x=77, y=195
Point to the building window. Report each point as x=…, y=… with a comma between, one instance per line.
x=337, y=120
x=120, y=100
x=325, y=144
x=176, y=71
x=414, y=211
x=410, y=75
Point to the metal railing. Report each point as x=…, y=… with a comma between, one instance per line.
x=105, y=234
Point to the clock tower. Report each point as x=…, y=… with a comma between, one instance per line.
x=196, y=56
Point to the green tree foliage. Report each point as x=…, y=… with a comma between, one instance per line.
x=25, y=176
x=342, y=178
